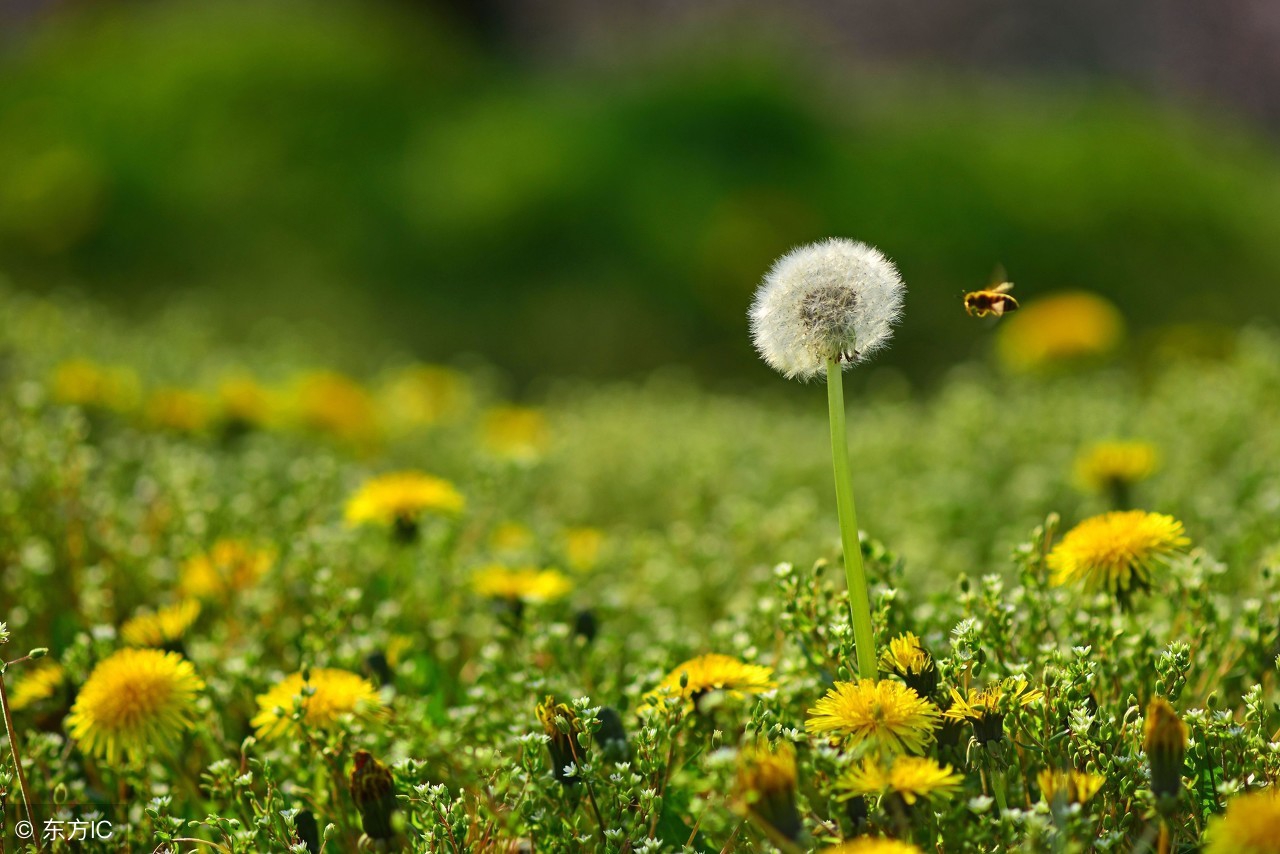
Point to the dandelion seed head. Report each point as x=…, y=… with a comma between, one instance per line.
x=835, y=299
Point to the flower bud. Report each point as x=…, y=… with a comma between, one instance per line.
x=1165, y=743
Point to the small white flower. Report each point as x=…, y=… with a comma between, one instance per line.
x=835, y=299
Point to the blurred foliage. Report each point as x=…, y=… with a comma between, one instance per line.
x=368, y=165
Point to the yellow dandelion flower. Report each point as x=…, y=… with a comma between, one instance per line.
x=511, y=537
x=1068, y=787
x=329, y=403
x=80, y=382
x=1102, y=465
x=909, y=777
x=36, y=684
x=872, y=845
x=885, y=715
x=516, y=433
x=713, y=672
x=244, y=402
x=765, y=787
x=582, y=547
x=325, y=695
x=1064, y=327
x=986, y=707
x=424, y=396
x=1165, y=743
x=400, y=499
x=909, y=661
x=134, y=701
x=1116, y=551
x=177, y=409
x=1251, y=825
x=228, y=568
x=525, y=584
x=163, y=627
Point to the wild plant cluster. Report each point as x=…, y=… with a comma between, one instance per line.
x=274, y=607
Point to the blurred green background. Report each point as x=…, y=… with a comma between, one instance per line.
x=403, y=180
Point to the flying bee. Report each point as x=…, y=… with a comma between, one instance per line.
x=993, y=299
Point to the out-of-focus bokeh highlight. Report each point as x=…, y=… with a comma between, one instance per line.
x=595, y=189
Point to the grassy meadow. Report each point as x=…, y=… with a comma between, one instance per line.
x=613, y=617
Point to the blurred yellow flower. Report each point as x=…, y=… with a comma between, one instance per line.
x=885, y=715
x=401, y=498
x=582, y=547
x=36, y=683
x=511, y=538
x=163, y=627
x=909, y=777
x=1251, y=825
x=516, y=433
x=872, y=845
x=713, y=672
x=325, y=695
x=335, y=405
x=1063, y=327
x=228, y=568
x=526, y=584
x=243, y=402
x=80, y=382
x=1103, y=465
x=765, y=787
x=133, y=702
x=177, y=409
x=1164, y=740
x=1116, y=551
x=1069, y=787
x=423, y=396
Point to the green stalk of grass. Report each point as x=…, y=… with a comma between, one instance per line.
x=855, y=573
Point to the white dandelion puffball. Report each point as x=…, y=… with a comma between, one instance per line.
x=835, y=299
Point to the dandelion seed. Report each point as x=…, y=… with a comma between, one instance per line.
x=885, y=715
x=713, y=672
x=326, y=695
x=836, y=299
x=1116, y=552
x=134, y=701
x=1251, y=825
x=820, y=308
x=910, y=778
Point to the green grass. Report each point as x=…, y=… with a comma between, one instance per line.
x=720, y=532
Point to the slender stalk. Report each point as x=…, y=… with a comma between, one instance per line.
x=859, y=600
x=17, y=760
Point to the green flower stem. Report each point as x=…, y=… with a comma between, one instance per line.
x=859, y=600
